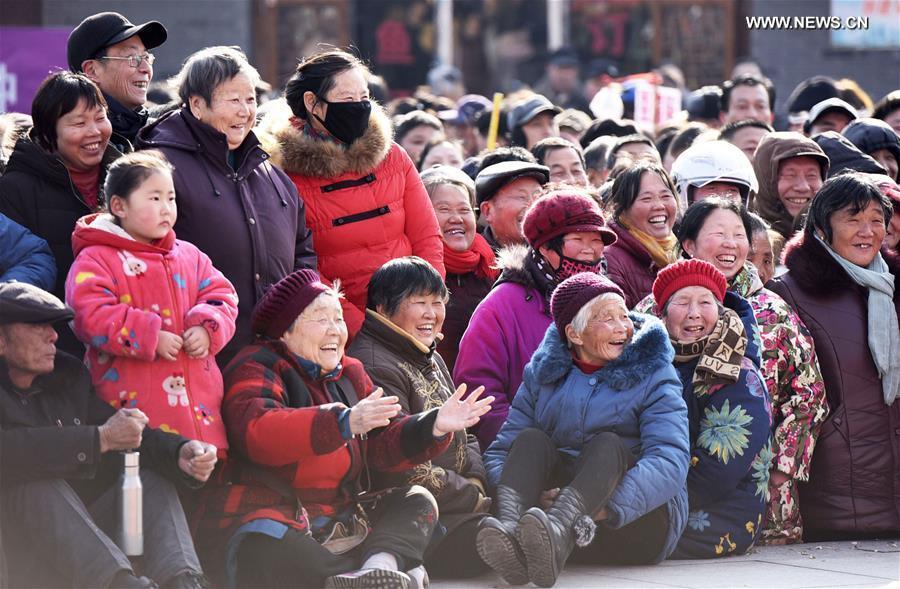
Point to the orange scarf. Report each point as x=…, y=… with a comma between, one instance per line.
x=479, y=258
x=662, y=251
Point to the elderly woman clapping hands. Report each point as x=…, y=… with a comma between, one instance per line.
x=600, y=414
x=306, y=427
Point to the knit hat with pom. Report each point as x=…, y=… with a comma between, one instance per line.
x=285, y=301
x=575, y=292
x=686, y=273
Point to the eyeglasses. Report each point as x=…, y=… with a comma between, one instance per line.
x=135, y=61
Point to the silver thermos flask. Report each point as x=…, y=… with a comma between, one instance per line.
x=131, y=507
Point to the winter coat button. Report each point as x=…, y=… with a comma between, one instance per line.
x=252, y=221
x=592, y=381
x=81, y=457
x=256, y=276
x=76, y=421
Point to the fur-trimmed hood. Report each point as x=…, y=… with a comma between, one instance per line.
x=512, y=262
x=648, y=351
x=300, y=154
x=816, y=271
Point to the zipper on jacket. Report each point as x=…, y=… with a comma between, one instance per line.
x=179, y=315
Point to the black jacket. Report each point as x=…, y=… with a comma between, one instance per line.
x=50, y=432
x=37, y=192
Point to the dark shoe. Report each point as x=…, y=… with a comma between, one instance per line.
x=496, y=540
x=547, y=539
x=369, y=579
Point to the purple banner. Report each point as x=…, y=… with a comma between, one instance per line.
x=27, y=56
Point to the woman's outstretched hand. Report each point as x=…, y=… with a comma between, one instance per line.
x=457, y=414
x=374, y=411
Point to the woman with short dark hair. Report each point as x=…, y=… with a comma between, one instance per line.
x=414, y=130
x=234, y=205
x=404, y=315
x=848, y=294
x=54, y=175
x=644, y=211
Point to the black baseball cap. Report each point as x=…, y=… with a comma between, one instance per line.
x=101, y=30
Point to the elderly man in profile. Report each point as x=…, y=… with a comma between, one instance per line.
x=60, y=460
x=115, y=54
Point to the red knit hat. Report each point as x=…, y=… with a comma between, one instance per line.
x=686, y=273
x=575, y=292
x=564, y=212
x=285, y=301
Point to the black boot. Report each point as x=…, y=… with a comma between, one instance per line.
x=547, y=539
x=496, y=540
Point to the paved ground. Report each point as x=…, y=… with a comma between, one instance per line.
x=830, y=564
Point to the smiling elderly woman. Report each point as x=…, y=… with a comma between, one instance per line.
x=728, y=411
x=241, y=211
x=848, y=295
x=600, y=414
x=468, y=257
x=307, y=429
x=717, y=230
x=397, y=348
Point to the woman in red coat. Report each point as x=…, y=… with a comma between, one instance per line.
x=365, y=202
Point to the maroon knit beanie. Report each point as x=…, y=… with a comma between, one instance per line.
x=285, y=301
x=686, y=273
x=560, y=213
x=575, y=292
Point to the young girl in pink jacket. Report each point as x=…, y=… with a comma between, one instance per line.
x=152, y=310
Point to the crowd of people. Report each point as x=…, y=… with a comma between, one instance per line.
x=360, y=341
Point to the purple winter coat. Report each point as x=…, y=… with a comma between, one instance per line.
x=249, y=220
x=505, y=330
x=630, y=266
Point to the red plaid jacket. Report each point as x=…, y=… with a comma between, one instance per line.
x=282, y=422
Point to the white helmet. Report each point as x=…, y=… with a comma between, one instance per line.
x=712, y=161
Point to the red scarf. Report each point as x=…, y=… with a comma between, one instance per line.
x=88, y=184
x=479, y=258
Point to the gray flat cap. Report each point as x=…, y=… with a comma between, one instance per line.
x=21, y=302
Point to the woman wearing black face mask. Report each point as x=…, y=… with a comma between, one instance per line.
x=365, y=202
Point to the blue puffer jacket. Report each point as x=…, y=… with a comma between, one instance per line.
x=637, y=396
x=24, y=256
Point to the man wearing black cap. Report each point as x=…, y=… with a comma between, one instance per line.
x=531, y=120
x=504, y=192
x=114, y=53
x=60, y=459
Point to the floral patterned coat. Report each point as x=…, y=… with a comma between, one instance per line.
x=796, y=389
x=730, y=433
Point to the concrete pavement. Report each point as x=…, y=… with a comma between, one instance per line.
x=862, y=564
